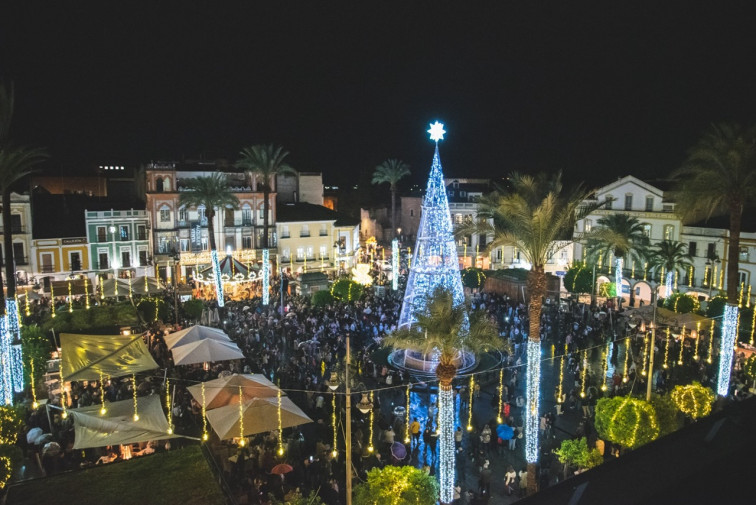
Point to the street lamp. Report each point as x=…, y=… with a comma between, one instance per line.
x=116, y=265
x=712, y=263
x=651, y=360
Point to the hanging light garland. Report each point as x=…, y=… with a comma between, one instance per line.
x=560, y=391
x=676, y=273
x=711, y=343
x=682, y=346
x=103, y=410
x=169, y=405
x=753, y=323
x=52, y=301
x=645, y=271
x=63, y=405
x=501, y=395
x=372, y=414
x=102, y=290
x=86, y=292
x=748, y=298
x=131, y=291
x=666, y=350
x=204, y=417
x=646, y=339
x=605, y=368
x=690, y=277
x=27, y=310
x=280, y=427
x=146, y=287
x=721, y=278
x=32, y=381
x=134, y=387
x=470, y=403
x=698, y=338
x=409, y=258
x=242, y=441
x=584, y=374
x=627, y=354
x=407, y=418
x=335, y=451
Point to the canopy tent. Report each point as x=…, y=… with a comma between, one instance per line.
x=108, y=287
x=90, y=357
x=193, y=334
x=225, y=390
x=232, y=270
x=664, y=316
x=260, y=415
x=205, y=351
x=117, y=426
x=33, y=295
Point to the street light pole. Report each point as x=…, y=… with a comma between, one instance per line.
x=348, y=429
x=651, y=359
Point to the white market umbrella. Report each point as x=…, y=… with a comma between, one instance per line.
x=225, y=390
x=194, y=334
x=205, y=351
x=260, y=415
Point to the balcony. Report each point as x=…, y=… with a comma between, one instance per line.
x=141, y=236
x=304, y=234
x=286, y=235
x=47, y=269
x=15, y=230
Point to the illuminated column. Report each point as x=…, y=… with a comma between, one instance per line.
x=6, y=392
x=446, y=443
x=266, y=277
x=531, y=414
x=668, y=283
x=619, y=262
x=14, y=335
x=395, y=264
x=729, y=336
x=218, y=280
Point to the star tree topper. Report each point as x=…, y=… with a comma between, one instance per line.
x=437, y=131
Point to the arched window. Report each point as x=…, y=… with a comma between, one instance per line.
x=159, y=185
x=167, y=184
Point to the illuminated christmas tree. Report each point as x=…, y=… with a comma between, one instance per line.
x=436, y=262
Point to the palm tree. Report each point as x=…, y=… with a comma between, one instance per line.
x=212, y=192
x=16, y=162
x=534, y=216
x=264, y=162
x=672, y=256
x=719, y=178
x=445, y=329
x=622, y=236
x=391, y=171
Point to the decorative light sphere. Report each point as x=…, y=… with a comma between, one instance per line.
x=436, y=131
x=204, y=437
x=469, y=427
x=280, y=451
x=136, y=417
x=170, y=431
x=35, y=405
x=64, y=415
x=370, y=448
x=103, y=411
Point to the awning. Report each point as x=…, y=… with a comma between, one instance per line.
x=117, y=425
x=260, y=415
x=225, y=390
x=89, y=357
x=205, y=351
x=194, y=334
x=665, y=316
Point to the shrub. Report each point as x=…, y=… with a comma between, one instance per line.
x=693, y=400
x=667, y=414
x=626, y=421
x=397, y=485
x=36, y=348
x=153, y=309
x=715, y=307
x=681, y=303
x=577, y=454
x=579, y=279
x=322, y=298
x=193, y=309
x=473, y=278
x=346, y=290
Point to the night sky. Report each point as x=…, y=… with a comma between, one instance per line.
x=598, y=93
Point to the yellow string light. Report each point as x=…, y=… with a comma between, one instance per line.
x=407, y=418
x=52, y=301
x=627, y=354
x=646, y=339
x=721, y=278
x=698, y=339
x=560, y=391
x=86, y=292
x=26, y=302
x=748, y=298
x=115, y=284
x=690, y=277
x=666, y=350
x=169, y=406
x=501, y=394
x=131, y=293
x=632, y=271
x=409, y=258
x=62, y=385
x=661, y=278
x=136, y=410
x=753, y=325
x=103, y=410
x=372, y=414
x=242, y=441
x=740, y=295
x=33, y=386
x=280, y=427
x=18, y=312
x=711, y=342
x=645, y=271
x=584, y=374
x=682, y=346
x=102, y=290
x=675, y=279
x=605, y=368
x=204, y=417
x=470, y=404
x=706, y=279
x=333, y=421
x=70, y=298
x=146, y=286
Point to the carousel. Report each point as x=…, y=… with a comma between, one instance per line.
x=239, y=280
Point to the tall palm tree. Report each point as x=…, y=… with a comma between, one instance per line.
x=719, y=178
x=445, y=329
x=212, y=192
x=672, y=256
x=16, y=162
x=534, y=216
x=391, y=171
x=265, y=162
x=622, y=236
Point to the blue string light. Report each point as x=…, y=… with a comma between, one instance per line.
x=533, y=379
x=6, y=386
x=395, y=264
x=618, y=263
x=446, y=444
x=729, y=336
x=218, y=280
x=14, y=343
x=266, y=276
x=668, y=283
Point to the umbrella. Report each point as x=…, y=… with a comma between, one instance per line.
x=51, y=448
x=504, y=432
x=399, y=450
x=260, y=415
x=193, y=334
x=205, y=351
x=225, y=390
x=281, y=469
x=31, y=294
x=245, y=308
x=33, y=435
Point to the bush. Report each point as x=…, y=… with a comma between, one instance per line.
x=153, y=309
x=626, y=421
x=322, y=298
x=346, y=290
x=577, y=454
x=36, y=348
x=395, y=485
x=97, y=317
x=716, y=305
x=667, y=414
x=681, y=303
x=579, y=279
x=193, y=309
x=473, y=278
x=693, y=400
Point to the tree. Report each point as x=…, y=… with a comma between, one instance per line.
x=719, y=178
x=673, y=257
x=621, y=236
x=626, y=421
x=264, y=162
x=579, y=279
x=346, y=290
x=667, y=415
x=193, y=309
x=473, y=278
x=533, y=216
x=693, y=400
x=391, y=171
x=397, y=485
x=36, y=351
x=749, y=369
x=682, y=303
x=576, y=453
x=210, y=192
x=446, y=329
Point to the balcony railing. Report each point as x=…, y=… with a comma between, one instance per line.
x=141, y=236
x=16, y=230
x=47, y=269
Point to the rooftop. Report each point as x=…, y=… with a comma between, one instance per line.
x=306, y=212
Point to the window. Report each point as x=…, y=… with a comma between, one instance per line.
x=711, y=250
x=165, y=215
x=742, y=278
x=16, y=223
x=47, y=263
x=102, y=257
x=323, y=230
x=18, y=253
x=647, y=230
x=457, y=218
x=629, y=201
x=649, y=204
x=286, y=253
x=669, y=232
x=412, y=212
x=300, y=253
x=201, y=215
x=285, y=231
x=323, y=252
x=159, y=185
x=304, y=231
x=246, y=242
x=588, y=225
x=246, y=216
x=102, y=234
x=182, y=214
x=744, y=254
x=310, y=252
x=125, y=259
x=75, y=261
x=184, y=244
x=123, y=232
x=608, y=199
x=143, y=253
x=141, y=232
x=692, y=246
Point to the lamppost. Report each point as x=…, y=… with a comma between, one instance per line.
x=712, y=263
x=651, y=358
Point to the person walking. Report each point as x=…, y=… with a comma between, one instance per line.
x=509, y=480
x=415, y=431
x=523, y=475
x=484, y=481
